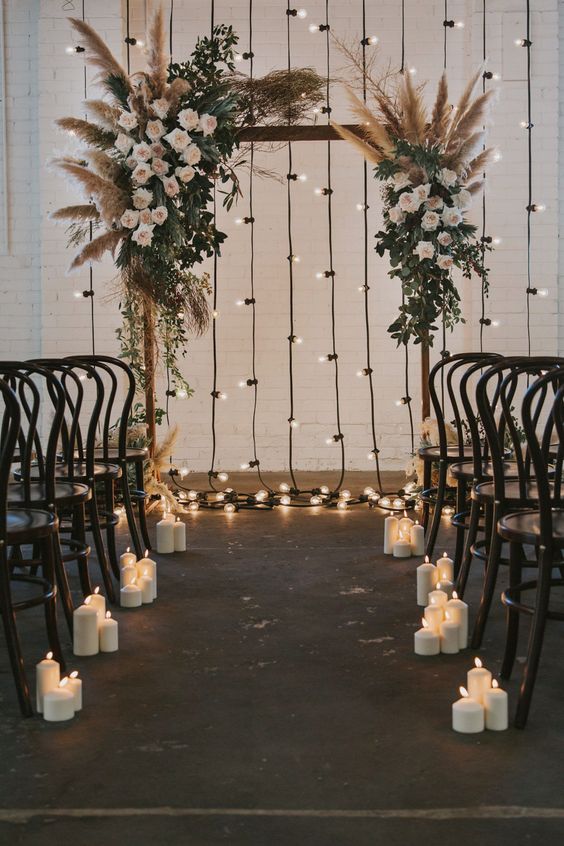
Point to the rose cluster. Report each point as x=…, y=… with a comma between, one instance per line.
x=158, y=155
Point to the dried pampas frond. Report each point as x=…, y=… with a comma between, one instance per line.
x=370, y=153
x=175, y=92
x=102, y=164
x=465, y=100
x=90, y=133
x=476, y=115
x=78, y=214
x=95, y=249
x=99, y=56
x=106, y=115
x=441, y=114
x=157, y=61
x=376, y=133
x=478, y=166
x=459, y=158
x=414, y=118
x=164, y=449
x=111, y=200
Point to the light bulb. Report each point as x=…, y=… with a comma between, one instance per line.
x=77, y=294
x=496, y=241
x=542, y=292
x=523, y=124
x=285, y=499
x=319, y=275
x=398, y=403
x=322, y=358
x=459, y=24
x=302, y=177
x=70, y=50
x=498, y=155
x=398, y=503
x=539, y=207
x=222, y=396
x=496, y=323
x=295, y=259
x=315, y=500
x=261, y=495
x=242, y=383
x=181, y=394
x=375, y=497
x=345, y=494
x=220, y=496
x=194, y=506
x=313, y=28
x=370, y=456
x=183, y=472
x=238, y=221
x=342, y=505
x=192, y=495
x=239, y=302
x=318, y=192
x=284, y=487
x=238, y=57
x=139, y=43
x=329, y=441
x=294, y=424
x=373, y=39
x=519, y=42
x=324, y=490
x=298, y=340
x=496, y=76
x=360, y=206
x=302, y=13
x=368, y=491
x=223, y=477
x=385, y=502
x=245, y=466
x=229, y=508
x=413, y=71
x=215, y=314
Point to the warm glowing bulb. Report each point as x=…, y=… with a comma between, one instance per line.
x=220, y=496
x=284, y=487
x=360, y=206
x=285, y=499
x=192, y=495
x=319, y=275
x=222, y=396
x=181, y=394
x=215, y=314
x=459, y=24
x=373, y=39
x=302, y=13
x=477, y=662
x=261, y=495
x=302, y=177
x=238, y=57
x=194, y=506
x=315, y=500
x=245, y=466
x=370, y=456
x=223, y=477
x=498, y=155
x=318, y=191
x=368, y=491
x=342, y=505
x=496, y=241
x=496, y=323
x=313, y=28
x=229, y=508
x=298, y=340
x=385, y=502
x=324, y=490
x=413, y=71
x=70, y=50
x=77, y=294
x=345, y=494
x=399, y=503
x=294, y=424
x=322, y=358
x=329, y=441
x=542, y=292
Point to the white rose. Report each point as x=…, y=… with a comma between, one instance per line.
x=422, y=192
x=127, y=120
x=408, y=202
x=142, y=173
x=463, y=199
x=396, y=215
x=155, y=130
x=160, y=167
x=130, y=218
x=178, y=139
x=142, y=198
x=188, y=118
x=451, y=217
x=400, y=180
x=430, y=221
x=159, y=215
x=435, y=203
x=191, y=154
x=145, y=216
x=185, y=174
x=444, y=239
x=425, y=250
x=131, y=163
x=143, y=235
x=142, y=152
x=208, y=124
x=160, y=107
x=123, y=143
x=158, y=150
x=445, y=262
x=447, y=177
x=171, y=186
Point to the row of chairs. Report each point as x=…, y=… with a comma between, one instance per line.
x=501, y=446
x=64, y=454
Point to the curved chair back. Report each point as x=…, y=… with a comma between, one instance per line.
x=10, y=428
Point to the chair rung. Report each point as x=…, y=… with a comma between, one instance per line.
x=49, y=591
x=508, y=599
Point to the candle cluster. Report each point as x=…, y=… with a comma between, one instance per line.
x=138, y=579
x=404, y=537
x=56, y=698
x=94, y=629
x=445, y=621
x=171, y=534
x=483, y=704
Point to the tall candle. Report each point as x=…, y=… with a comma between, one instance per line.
x=146, y=585
x=404, y=526
x=85, y=629
x=127, y=575
x=496, y=707
x=126, y=558
x=446, y=587
x=467, y=714
x=450, y=633
x=165, y=536
x=391, y=533
x=130, y=596
x=417, y=539
x=58, y=704
x=426, y=580
x=438, y=597
x=74, y=684
x=148, y=567
x=434, y=614
x=446, y=568
x=426, y=641
x=479, y=681
x=98, y=602
x=47, y=677
x=458, y=611
x=179, y=536
x=108, y=631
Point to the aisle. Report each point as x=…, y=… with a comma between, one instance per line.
x=275, y=673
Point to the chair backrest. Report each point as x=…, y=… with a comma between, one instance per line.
x=453, y=370
x=9, y=427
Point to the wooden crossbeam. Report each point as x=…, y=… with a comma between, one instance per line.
x=294, y=133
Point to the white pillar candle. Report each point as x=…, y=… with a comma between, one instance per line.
x=435, y=614
x=479, y=679
x=179, y=536
x=404, y=526
x=74, y=684
x=127, y=575
x=148, y=567
x=458, y=611
x=437, y=597
x=446, y=587
x=390, y=534
x=165, y=536
x=450, y=636
x=417, y=538
x=426, y=580
x=130, y=596
x=426, y=641
x=126, y=558
x=496, y=707
x=98, y=602
x=109, y=640
x=446, y=568
x=58, y=704
x=467, y=714
x=85, y=629
x=47, y=677
x=146, y=585
x=402, y=548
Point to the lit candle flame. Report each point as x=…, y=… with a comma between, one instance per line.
x=454, y=595
x=427, y=560
x=445, y=555
x=96, y=590
x=74, y=674
x=63, y=682
x=49, y=656
x=128, y=549
x=404, y=513
x=495, y=684
x=108, y=615
x=146, y=553
x=178, y=519
x=87, y=600
x=424, y=623
x=477, y=662
x=438, y=585
x=463, y=692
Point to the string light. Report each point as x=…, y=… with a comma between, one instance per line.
x=285, y=499
x=230, y=507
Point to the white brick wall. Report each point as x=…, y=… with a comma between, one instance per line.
x=40, y=314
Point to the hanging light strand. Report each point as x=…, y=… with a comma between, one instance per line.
x=169, y=393
x=215, y=393
x=530, y=207
x=483, y=237
x=406, y=346
x=90, y=291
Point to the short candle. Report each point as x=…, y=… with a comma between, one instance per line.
x=426, y=640
x=467, y=714
x=479, y=679
x=47, y=677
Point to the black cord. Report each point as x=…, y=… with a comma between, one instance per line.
x=90, y=235
x=530, y=174
x=402, y=36
x=214, y=392
x=483, y=291
x=128, y=35
x=168, y=392
x=170, y=30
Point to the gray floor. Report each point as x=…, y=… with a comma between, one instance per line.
x=271, y=696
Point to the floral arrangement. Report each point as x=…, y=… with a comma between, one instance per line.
x=430, y=167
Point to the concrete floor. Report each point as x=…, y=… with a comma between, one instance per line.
x=271, y=696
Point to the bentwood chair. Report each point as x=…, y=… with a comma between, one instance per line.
x=18, y=528
x=541, y=527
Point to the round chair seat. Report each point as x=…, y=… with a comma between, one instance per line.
x=454, y=452
x=66, y=493
x=27, y=524
x=132, y=454
x=465, y=470
x=484, y=492
x=524, y=527
x=102, y=470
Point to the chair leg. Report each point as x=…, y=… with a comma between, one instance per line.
x=490, y=579
x=461, y=491
x=536, y=637
x=466, y=564
x=110, y=528
x=48, y=559
x=12, y=640
x=141, y=505
x=441, y=490
x=427, y=476
x=100, y=549
x=129, y=512
x=512, y=614
x=63, y=584
x=79, y=533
